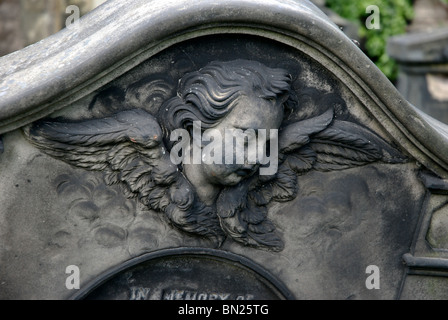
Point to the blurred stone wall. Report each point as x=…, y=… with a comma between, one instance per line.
x=429, y=15
x=422, y=56
x=24, y=22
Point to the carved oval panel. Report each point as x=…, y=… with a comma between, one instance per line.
x=186, y=274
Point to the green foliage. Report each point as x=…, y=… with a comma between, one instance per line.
x=394, y=17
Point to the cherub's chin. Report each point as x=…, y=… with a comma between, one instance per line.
x=232, y=179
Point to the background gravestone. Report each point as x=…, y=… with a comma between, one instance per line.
x=26, y=22
x=87, y=179
x=422, y=58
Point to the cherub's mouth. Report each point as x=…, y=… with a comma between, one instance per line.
x=245, y=172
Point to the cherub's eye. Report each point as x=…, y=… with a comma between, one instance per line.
x=270, y=99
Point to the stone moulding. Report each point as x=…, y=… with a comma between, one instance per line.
x=118, y=35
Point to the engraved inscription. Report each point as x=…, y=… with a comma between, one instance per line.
x=144, y=293
x=139, y=293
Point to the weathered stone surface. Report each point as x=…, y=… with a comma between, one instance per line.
x=88, y=179
x=24, y=22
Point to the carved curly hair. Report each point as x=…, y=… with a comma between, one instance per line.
x=208, y=95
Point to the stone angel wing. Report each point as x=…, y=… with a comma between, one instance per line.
x=128, y=148
x=319, y=143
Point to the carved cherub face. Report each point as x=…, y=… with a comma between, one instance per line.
x=249, y=113
x=224, y=96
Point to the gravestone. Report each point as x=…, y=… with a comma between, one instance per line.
x=423, y=62
x=201, y=150
x=428, y=15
